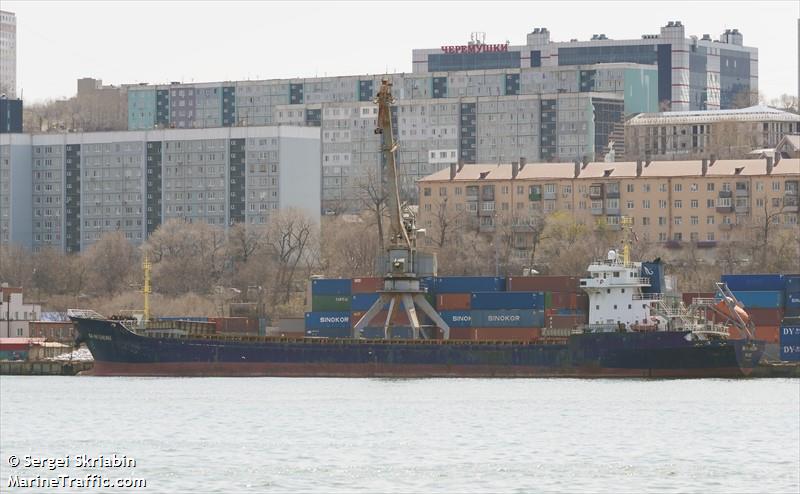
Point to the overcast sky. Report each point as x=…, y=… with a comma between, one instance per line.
x=157, y=42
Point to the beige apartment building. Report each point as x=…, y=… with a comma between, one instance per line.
x=674, y=202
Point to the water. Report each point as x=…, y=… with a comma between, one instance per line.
x=372, y=435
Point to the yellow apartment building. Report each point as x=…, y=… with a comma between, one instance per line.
x=672, y=202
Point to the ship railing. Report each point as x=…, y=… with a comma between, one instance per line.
x=704, y=301
x=84, y=313
x=648, y=296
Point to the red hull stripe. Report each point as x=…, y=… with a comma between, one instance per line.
x=254, y=369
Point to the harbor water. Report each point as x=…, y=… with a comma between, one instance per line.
x=417, y=435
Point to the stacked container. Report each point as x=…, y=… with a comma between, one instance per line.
x=763, y=297
x=330, y=308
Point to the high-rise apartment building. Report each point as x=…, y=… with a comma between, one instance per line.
x=66, y=190
x=694, y=73
x=8, y=54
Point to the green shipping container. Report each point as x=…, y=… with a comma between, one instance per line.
x=330, y=303
x=548, y=300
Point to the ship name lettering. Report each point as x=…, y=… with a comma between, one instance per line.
x=96, y=336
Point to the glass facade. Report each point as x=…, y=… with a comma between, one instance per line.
x=734, y=79
x=473, y=61
x=584, y=55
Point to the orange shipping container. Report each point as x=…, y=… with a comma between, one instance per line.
x=453, y=301
x=770, y=334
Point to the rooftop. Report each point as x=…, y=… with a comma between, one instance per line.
x=751, y=114
x=621, y=169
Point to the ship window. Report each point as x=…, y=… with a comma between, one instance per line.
x=644, y=306
x=616, y=274
x=629, y=306
x=623, y=290
x=615, y=306
x=597, y=307
x=608, y=290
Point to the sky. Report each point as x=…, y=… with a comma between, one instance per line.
x=207, y=41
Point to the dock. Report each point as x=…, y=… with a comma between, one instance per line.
x=43, y=368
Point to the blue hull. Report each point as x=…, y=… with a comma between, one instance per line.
x=118, y=351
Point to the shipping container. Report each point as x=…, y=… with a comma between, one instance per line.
x=240, y=325
x=790, y=341
x=398, y=333
x=791, y=312
x=400, y=318
x=765, y=317
x=770, y=334
x=792, y=283
x=506, y=334
x=544, y=284
x=457, y=319
x=363, y=301
x=453, y=301
x=330, y=303
x=507, y=300
x=792, y=299
x=329, y=333
x=183, y=318
x=468, y=284
x=366, y=285
x=331, y=286
x=564, y=300
x=754, y=282
x=327, y=320
x=508, y=318
x=571, y=321
x=760, y=299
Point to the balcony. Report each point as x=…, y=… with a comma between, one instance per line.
x=551, y=195
x=596, y=191
x=725, y=209
x=706, y=244
x=790, y=203
x=597, y=211
x=724, y=193
x=741, y=209
x=726, y=226
x=742, y=192
x=522, y=228
x=535, y=196
x=612, y=210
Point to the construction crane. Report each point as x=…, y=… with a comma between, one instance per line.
x=403, y=265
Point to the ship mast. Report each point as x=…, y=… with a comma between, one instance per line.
x=401, y=283
x=146, y=288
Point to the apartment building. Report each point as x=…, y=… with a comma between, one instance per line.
x=728, y=134
x=673, y=202
x=8, y=54
x=694, y=73
x=72, y=188
x=15, y=315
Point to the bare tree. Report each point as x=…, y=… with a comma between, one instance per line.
x=373, y=197
x=289, y=242
x=111, y=262
x=347, y=249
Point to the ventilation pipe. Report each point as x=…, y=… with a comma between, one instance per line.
x=514, y=169
x=638, y=168
x=704, y=167
x=452, y=171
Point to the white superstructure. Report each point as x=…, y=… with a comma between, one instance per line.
x=616, y=299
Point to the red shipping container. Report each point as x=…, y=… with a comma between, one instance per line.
x=765, y=317
x=566, y=322
x=495, y=334
x=366, y=285
x=453, y=301
x=582, y=302
x=543, y=284
x=770, y=334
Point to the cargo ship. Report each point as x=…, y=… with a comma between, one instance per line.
x=630, y=333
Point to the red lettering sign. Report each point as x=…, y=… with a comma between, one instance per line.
x=477, y=48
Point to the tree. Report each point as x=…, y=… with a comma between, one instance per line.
x=348, y=250
x=373, y=198
x=290, y=240
x=111, y=264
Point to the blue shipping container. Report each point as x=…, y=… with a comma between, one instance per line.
x=513, y=318
x=363, y=301
x=760, y=300
x=332, y=286
x=329, y=333
x=327, y=320
x=469, y=284
x=507, y=300
x=457, y=318
x=754, y=282
x=790, y=343
x=793, y=299
x=792, y=283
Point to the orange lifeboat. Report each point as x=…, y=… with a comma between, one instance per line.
x=723, y=308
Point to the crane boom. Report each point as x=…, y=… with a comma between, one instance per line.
x=398, y=233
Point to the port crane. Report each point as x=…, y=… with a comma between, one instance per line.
x=404, y=266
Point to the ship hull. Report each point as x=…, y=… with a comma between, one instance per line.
x=118, y=351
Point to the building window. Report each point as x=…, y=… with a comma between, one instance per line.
x=710, y=187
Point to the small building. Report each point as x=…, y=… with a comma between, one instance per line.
x=789, y=147
x=31, y=349
x=53, y=326
x=693, y=135
x=15, y=315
